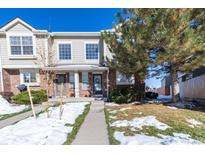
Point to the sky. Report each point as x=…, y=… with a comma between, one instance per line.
x=63, y=19
x=72, y=20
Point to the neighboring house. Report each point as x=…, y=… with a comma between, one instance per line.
x=165, y=86
x=79, y=56
x=192, y=86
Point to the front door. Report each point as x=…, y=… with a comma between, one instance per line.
x=97, y=84
x=61, y=78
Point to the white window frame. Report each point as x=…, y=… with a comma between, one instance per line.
x=124, y=83
x=71, y=52
x=36, y=71
x=85, y=88
x=22, y=56
x=92, y=42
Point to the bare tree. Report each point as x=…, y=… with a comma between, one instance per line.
x=46, y=59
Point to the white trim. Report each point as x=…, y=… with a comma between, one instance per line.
x=46, y=50
x=36, y=71
x=21, y=66
x=15, y=21
x=92, y=34
x=20, y=34
x=77, y=87
x=71, y=52
x=92, y=42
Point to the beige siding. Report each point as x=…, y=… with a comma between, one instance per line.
x=193, y=88
x=40, y=47
x=19, y=28
x=78, y=49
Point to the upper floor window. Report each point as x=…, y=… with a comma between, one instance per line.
x=64, y=51
x=21, y=45
x=92, y=51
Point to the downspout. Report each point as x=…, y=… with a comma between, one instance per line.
x=1, y=73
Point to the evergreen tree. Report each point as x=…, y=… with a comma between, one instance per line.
x=129, y=55
x=177, y=37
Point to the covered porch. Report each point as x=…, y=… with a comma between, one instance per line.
x=80, y=81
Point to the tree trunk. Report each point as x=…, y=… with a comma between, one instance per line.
x=173, y=86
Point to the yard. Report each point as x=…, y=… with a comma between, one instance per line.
x=8, y=110
x=44, y=130
x=154, y=124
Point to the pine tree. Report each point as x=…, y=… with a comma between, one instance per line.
x=178, y=35
x=129, y=55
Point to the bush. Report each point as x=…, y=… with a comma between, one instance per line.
x=126, y=95
x=38, y=96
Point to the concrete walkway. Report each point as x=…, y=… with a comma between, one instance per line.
x=94, y=129
x=19, y=117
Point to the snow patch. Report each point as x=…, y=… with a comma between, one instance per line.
x=164, y=97
x=193, y=122
x=142, y=139
x=172, y=107
x=111, y=104
x=8, y=108
x=124, y=109
x=142, y=121
x=113, y=112
x=43, y=130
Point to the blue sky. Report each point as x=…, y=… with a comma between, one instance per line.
x=63, y=19
x=67, y=20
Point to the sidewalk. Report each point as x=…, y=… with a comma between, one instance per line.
x=94, y=129
x=19, y=117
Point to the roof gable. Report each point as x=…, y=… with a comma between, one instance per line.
x=16, y=22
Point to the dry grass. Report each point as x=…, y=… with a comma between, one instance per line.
x=176, y=119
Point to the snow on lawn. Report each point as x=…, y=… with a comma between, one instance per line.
x=172, y=107
x=43, y=130
x=193, y=123
x=140, y=139
x=164, y=97
x=111, y=104
x=124, y=109
x=142, y=121
x=8, y=108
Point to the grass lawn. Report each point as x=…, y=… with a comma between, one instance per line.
x=77, y=125
x=5, y=116
x=175, y=118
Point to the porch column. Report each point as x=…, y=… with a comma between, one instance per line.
x=76, y=74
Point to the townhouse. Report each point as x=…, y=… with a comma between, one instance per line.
x=77, y=58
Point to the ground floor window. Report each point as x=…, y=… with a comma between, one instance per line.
x=28, y=76
x=84, y=80
x=72, y=82
x=122, y=79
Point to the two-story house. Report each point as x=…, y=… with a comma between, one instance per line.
x=78, y=56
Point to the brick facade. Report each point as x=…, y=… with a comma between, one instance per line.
x=11, y=78
x=163, y=91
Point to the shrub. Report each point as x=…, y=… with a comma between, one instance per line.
x=38, y=96
x=126, y=95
